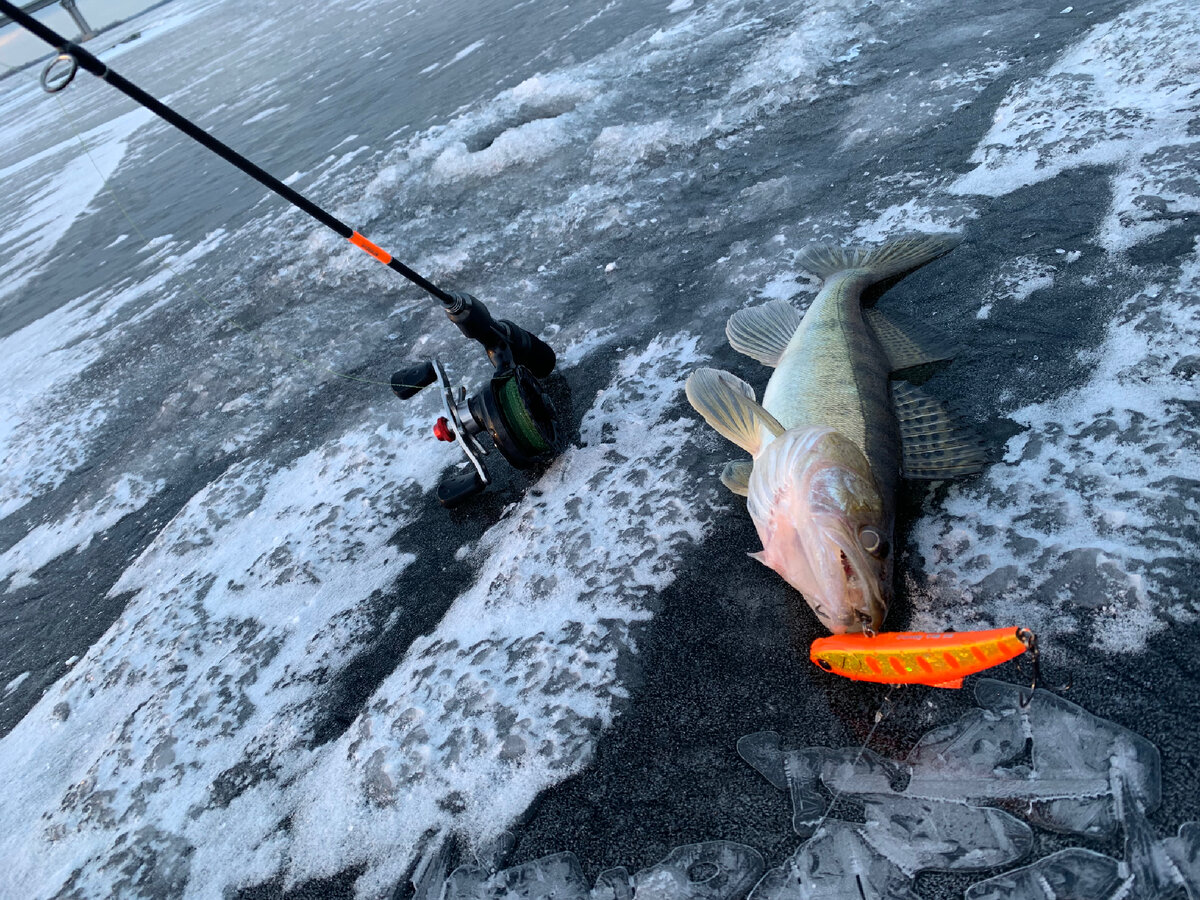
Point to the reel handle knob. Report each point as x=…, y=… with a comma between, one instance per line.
x=457, y=488
x=408, y=382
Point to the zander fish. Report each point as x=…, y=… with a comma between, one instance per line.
x=835, y=431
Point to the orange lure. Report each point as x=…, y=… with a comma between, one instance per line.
x=914, y=657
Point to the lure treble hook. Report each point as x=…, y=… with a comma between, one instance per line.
x=1029, y=639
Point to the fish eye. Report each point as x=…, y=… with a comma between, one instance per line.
x=871, y=540
x=825, y=664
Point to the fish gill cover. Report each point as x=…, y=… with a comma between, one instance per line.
x=244, y=650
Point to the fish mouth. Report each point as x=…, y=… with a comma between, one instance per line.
x=858, y=597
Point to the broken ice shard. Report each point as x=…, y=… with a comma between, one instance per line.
x=1074, y=874
x=556, y=877
x=1051, y=761
x=1151, y=869
x=900, y=838
x=714, y=870
x=836, y=862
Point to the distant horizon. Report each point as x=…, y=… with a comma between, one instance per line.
x=19, y=48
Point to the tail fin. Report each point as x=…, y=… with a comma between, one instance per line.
x=895, y=257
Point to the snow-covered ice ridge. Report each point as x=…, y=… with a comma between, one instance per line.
x=180, y=748
x=1085, y=521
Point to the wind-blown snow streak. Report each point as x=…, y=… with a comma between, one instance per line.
x=1124, y=97
x=512, y=691
x=1088, y=521
x=147, y=762
x=166, y=761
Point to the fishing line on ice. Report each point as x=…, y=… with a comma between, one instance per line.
x=885, y=707
x=188, y=282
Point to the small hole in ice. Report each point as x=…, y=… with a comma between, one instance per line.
x=702, y=871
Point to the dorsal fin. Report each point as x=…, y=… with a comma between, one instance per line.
x=935, y=447
x=906, y=343
x=727, y=404
x=763, y=332
x=736, y=476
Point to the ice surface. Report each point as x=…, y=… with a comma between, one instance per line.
x=1124, y=96
x=34, y=219
x=715, y=870
x=679, y=154
x=1074, y=874
x=512, y=690
x=1052, y=762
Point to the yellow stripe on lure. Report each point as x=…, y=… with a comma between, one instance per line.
x=915, y=657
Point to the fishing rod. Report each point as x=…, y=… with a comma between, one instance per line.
x=513, y=409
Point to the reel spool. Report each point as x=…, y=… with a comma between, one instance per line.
x=513, y=409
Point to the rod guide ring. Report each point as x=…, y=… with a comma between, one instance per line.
x=52, y=81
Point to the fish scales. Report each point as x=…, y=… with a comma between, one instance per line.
x=833, y=373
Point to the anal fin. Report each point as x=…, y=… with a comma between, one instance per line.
x=763, y=332
x=935, y=447
x=906, y=344
x=736, y=476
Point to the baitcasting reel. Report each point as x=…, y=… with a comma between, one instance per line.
x=513, y=409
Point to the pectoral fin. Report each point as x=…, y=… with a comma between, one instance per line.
x=727, y=404
x=736, y=476
x=906, y=343
x=763, y=332
x=935, y=448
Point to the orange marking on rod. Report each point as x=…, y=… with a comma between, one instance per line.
x=979, y=654
x=897, y=665
x=874, y=666
x=371, y=249
x=924, y=664
x=951, y=660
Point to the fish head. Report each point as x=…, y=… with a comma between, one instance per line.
x=824, y=526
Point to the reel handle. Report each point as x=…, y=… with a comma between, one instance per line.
x=408, y=382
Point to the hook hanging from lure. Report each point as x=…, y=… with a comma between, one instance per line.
x=915, y=657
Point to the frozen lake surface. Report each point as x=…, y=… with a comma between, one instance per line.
x=245, y=653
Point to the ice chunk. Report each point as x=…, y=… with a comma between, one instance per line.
x=1184, y=853
x=714, y=870
x=556, y=877
x=613, y=884
x=900, y=838
x=1074, y=874
x=1051, y=761
x=838, y=862
x=943, y=835
x=1151, y=868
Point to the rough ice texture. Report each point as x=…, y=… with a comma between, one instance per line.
x=168, y=758
x=1087, y=521
x=1123, y=97
x=1050, y=761
x=513, y=689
